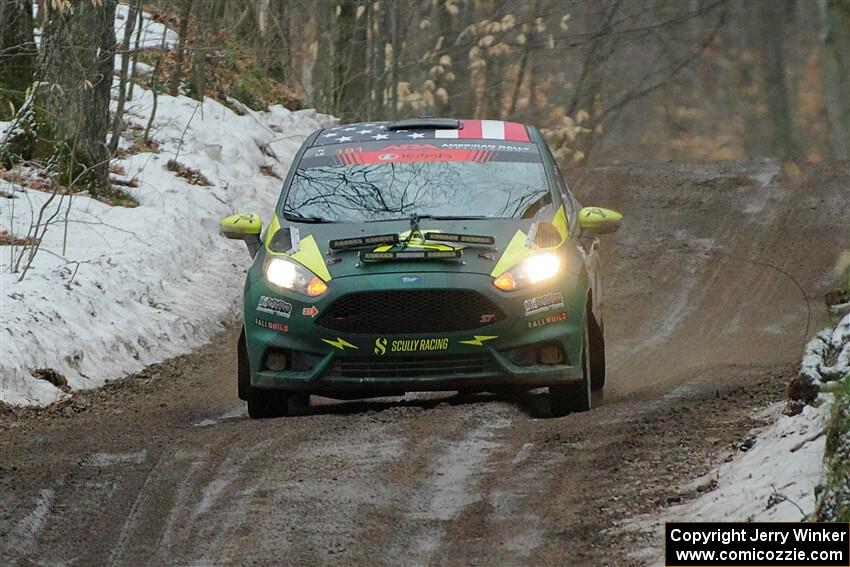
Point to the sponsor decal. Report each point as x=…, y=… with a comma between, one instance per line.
x=403, y=147
x=555, y=318
x=409, y=156
x=273, y=325
x=410, y=279
x=383, y=346
x=310, y=311
x=487, y=317
x=543, y=303
x=478, y=340
x=339, y=343
x=274, y=306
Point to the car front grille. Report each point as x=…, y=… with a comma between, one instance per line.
x=410, y=312
x=412, y=366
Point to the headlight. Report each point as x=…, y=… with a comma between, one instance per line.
x=532, y=270
x=289, y=275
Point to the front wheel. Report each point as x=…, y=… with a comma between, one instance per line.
x=597, y=353
x=575, y=396
x=243, y=371
x=264, y=403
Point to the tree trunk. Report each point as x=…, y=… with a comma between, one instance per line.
x=771, y=43
x=201, y=47
x=180, y=53
x=323, y=68
x=126, y=53
x=835, y=73
x=458, y=41
x=17, y=53
x=136, y=49
x=78, y=52
x=350, y=65
x=395, y=26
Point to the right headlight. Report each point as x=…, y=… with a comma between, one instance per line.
x=534, y=269
x=289, y=275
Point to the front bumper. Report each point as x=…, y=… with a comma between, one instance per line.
x=480, y=358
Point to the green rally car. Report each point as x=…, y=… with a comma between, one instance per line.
x=423, y=254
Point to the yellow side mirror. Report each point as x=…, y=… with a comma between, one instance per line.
x=240, y=225
x=243, y=226
x=599, y=220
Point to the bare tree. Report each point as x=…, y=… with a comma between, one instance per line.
x=180, y=53
x=835, y=62
x=771, y=45
x=118, y=119
x=17, y=53
x=76, y=66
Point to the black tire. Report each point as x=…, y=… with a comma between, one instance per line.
x=243, y=370
x=264, y=403
x=575, y=396
x=597, y=353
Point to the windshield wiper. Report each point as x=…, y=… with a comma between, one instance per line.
x=301, y=218
x=437, y=217
x=455, y=217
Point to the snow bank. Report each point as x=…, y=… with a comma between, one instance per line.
x=151, y=31
x=773, y=481
x=814, y=367
x=138, y=285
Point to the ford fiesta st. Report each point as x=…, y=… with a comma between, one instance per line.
x=418, y=255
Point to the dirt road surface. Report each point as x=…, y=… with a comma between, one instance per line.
x=702, y=325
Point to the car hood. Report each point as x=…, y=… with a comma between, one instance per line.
x=313, y=249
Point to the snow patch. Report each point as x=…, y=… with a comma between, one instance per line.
x=110, y=459
x=115, y=289
x=23, y=538
x=774, y=481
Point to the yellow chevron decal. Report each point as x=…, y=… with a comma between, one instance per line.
x=309, y=255
x=560, y=223
x=515, y=252
x=274, y=226
x=339, y=343
x=478, y=340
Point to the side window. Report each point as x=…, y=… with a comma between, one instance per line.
x=571, y=206
x=540, y=207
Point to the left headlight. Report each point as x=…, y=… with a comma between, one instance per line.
x=532, y=270
x=286, y=274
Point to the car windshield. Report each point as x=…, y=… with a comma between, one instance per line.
x=340, y=183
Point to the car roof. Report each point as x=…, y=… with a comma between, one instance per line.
x=424, y=129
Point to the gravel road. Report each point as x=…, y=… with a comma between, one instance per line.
x=166, y=468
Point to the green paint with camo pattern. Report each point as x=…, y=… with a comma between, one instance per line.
x=428, y=254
